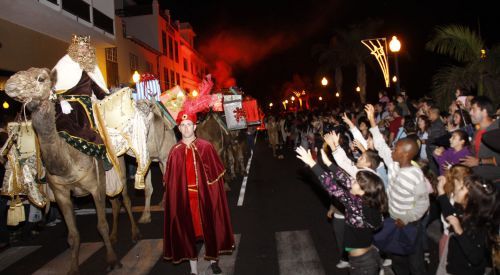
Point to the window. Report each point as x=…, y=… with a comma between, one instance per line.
x=164, y=42
x=111, y=67
x=170, y=47
x=165, y=78
x=124, y=29
x=172, y=78
x=177, y=52
x=149, y=67
x=186, y=65
x=111, y=54
x=103, y=21
x=78, y=8
x=134, y=62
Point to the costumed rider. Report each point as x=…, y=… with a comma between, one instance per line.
x=78, y=80
x=195, y=201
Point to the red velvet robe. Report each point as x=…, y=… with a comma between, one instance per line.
x=179, y=240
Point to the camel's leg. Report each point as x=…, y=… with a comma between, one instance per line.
x=63, y=198
x=136, y=235
x=115, y=205
x=148, y=191
x=99, y=195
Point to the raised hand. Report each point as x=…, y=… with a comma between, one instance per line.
x=370, y=113
x=332, y=139
x=360, y=146
x=325, y=158
x=305, y=156
x=347, y=121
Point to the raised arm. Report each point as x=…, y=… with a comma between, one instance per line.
x=355, y=131
x=378, y=141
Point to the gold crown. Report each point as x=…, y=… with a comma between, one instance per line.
x=80, y=39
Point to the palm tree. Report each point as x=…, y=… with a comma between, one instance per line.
x=475, y=67
x=345, y=49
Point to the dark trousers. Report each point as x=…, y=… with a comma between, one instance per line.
x=413, y=264
x=366, y=264
x=338, y=228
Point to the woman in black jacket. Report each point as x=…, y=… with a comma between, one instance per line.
x=469, y=248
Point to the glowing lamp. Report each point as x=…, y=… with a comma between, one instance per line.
x=292, y=98
x=395, y=45
x=271, y=105
x=194, y=93
x=320, y=98
x=6, y=105
x=358, y=89
x=136, y=77
x=286, y=101
x=394, y=79
x=337, y=94
x=324, y=81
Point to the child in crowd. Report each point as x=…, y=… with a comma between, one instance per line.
x=473, y=228
x=459, y=149
x=364, y=199
x=449, y=184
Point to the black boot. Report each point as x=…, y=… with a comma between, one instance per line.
x=215, y=268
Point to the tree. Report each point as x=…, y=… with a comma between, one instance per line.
x=475, y=66
x=345, y=49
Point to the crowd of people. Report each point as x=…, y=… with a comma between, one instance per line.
x=394, y=167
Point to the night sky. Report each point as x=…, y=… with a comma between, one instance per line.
x=264, y=44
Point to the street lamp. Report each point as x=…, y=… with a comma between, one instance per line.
x=337, y=94
x=136, y=77
x=324, y=81
x=395, y=46
x=358, y=89
x=271, y=105
x=320, y=98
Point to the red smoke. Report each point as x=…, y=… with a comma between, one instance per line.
x=226, y=51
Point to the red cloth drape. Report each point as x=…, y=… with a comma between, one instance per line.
x=179, y=234
x=193, y=193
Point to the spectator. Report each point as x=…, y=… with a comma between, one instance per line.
x=484, y=161
x=459, y=149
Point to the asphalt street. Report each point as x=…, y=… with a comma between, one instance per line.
x=280, y=228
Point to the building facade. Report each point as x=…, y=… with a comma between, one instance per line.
x=127, y=39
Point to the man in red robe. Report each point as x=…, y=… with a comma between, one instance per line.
x=195, y=200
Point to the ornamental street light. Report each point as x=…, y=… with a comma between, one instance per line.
x=395, y=46
x=378, y=48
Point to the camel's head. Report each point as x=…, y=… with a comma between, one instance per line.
x=34, y=84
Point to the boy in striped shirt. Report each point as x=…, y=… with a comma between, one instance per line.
x=406, y=191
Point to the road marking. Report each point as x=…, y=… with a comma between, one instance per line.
x=226, y=262
x=141, y=258
x=297, y=253
x=244, y=183
x=135, y=209
x=14, y=254
x=61, y=263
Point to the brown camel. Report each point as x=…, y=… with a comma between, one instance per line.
x=67, y=169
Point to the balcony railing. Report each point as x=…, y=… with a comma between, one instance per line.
x=103, y=22
x=77, y=7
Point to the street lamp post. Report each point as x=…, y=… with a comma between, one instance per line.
x=395, y=46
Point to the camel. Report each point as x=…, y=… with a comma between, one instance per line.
x=160, y=140
x=67, y=169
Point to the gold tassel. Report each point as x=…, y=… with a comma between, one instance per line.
x=16, y=212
